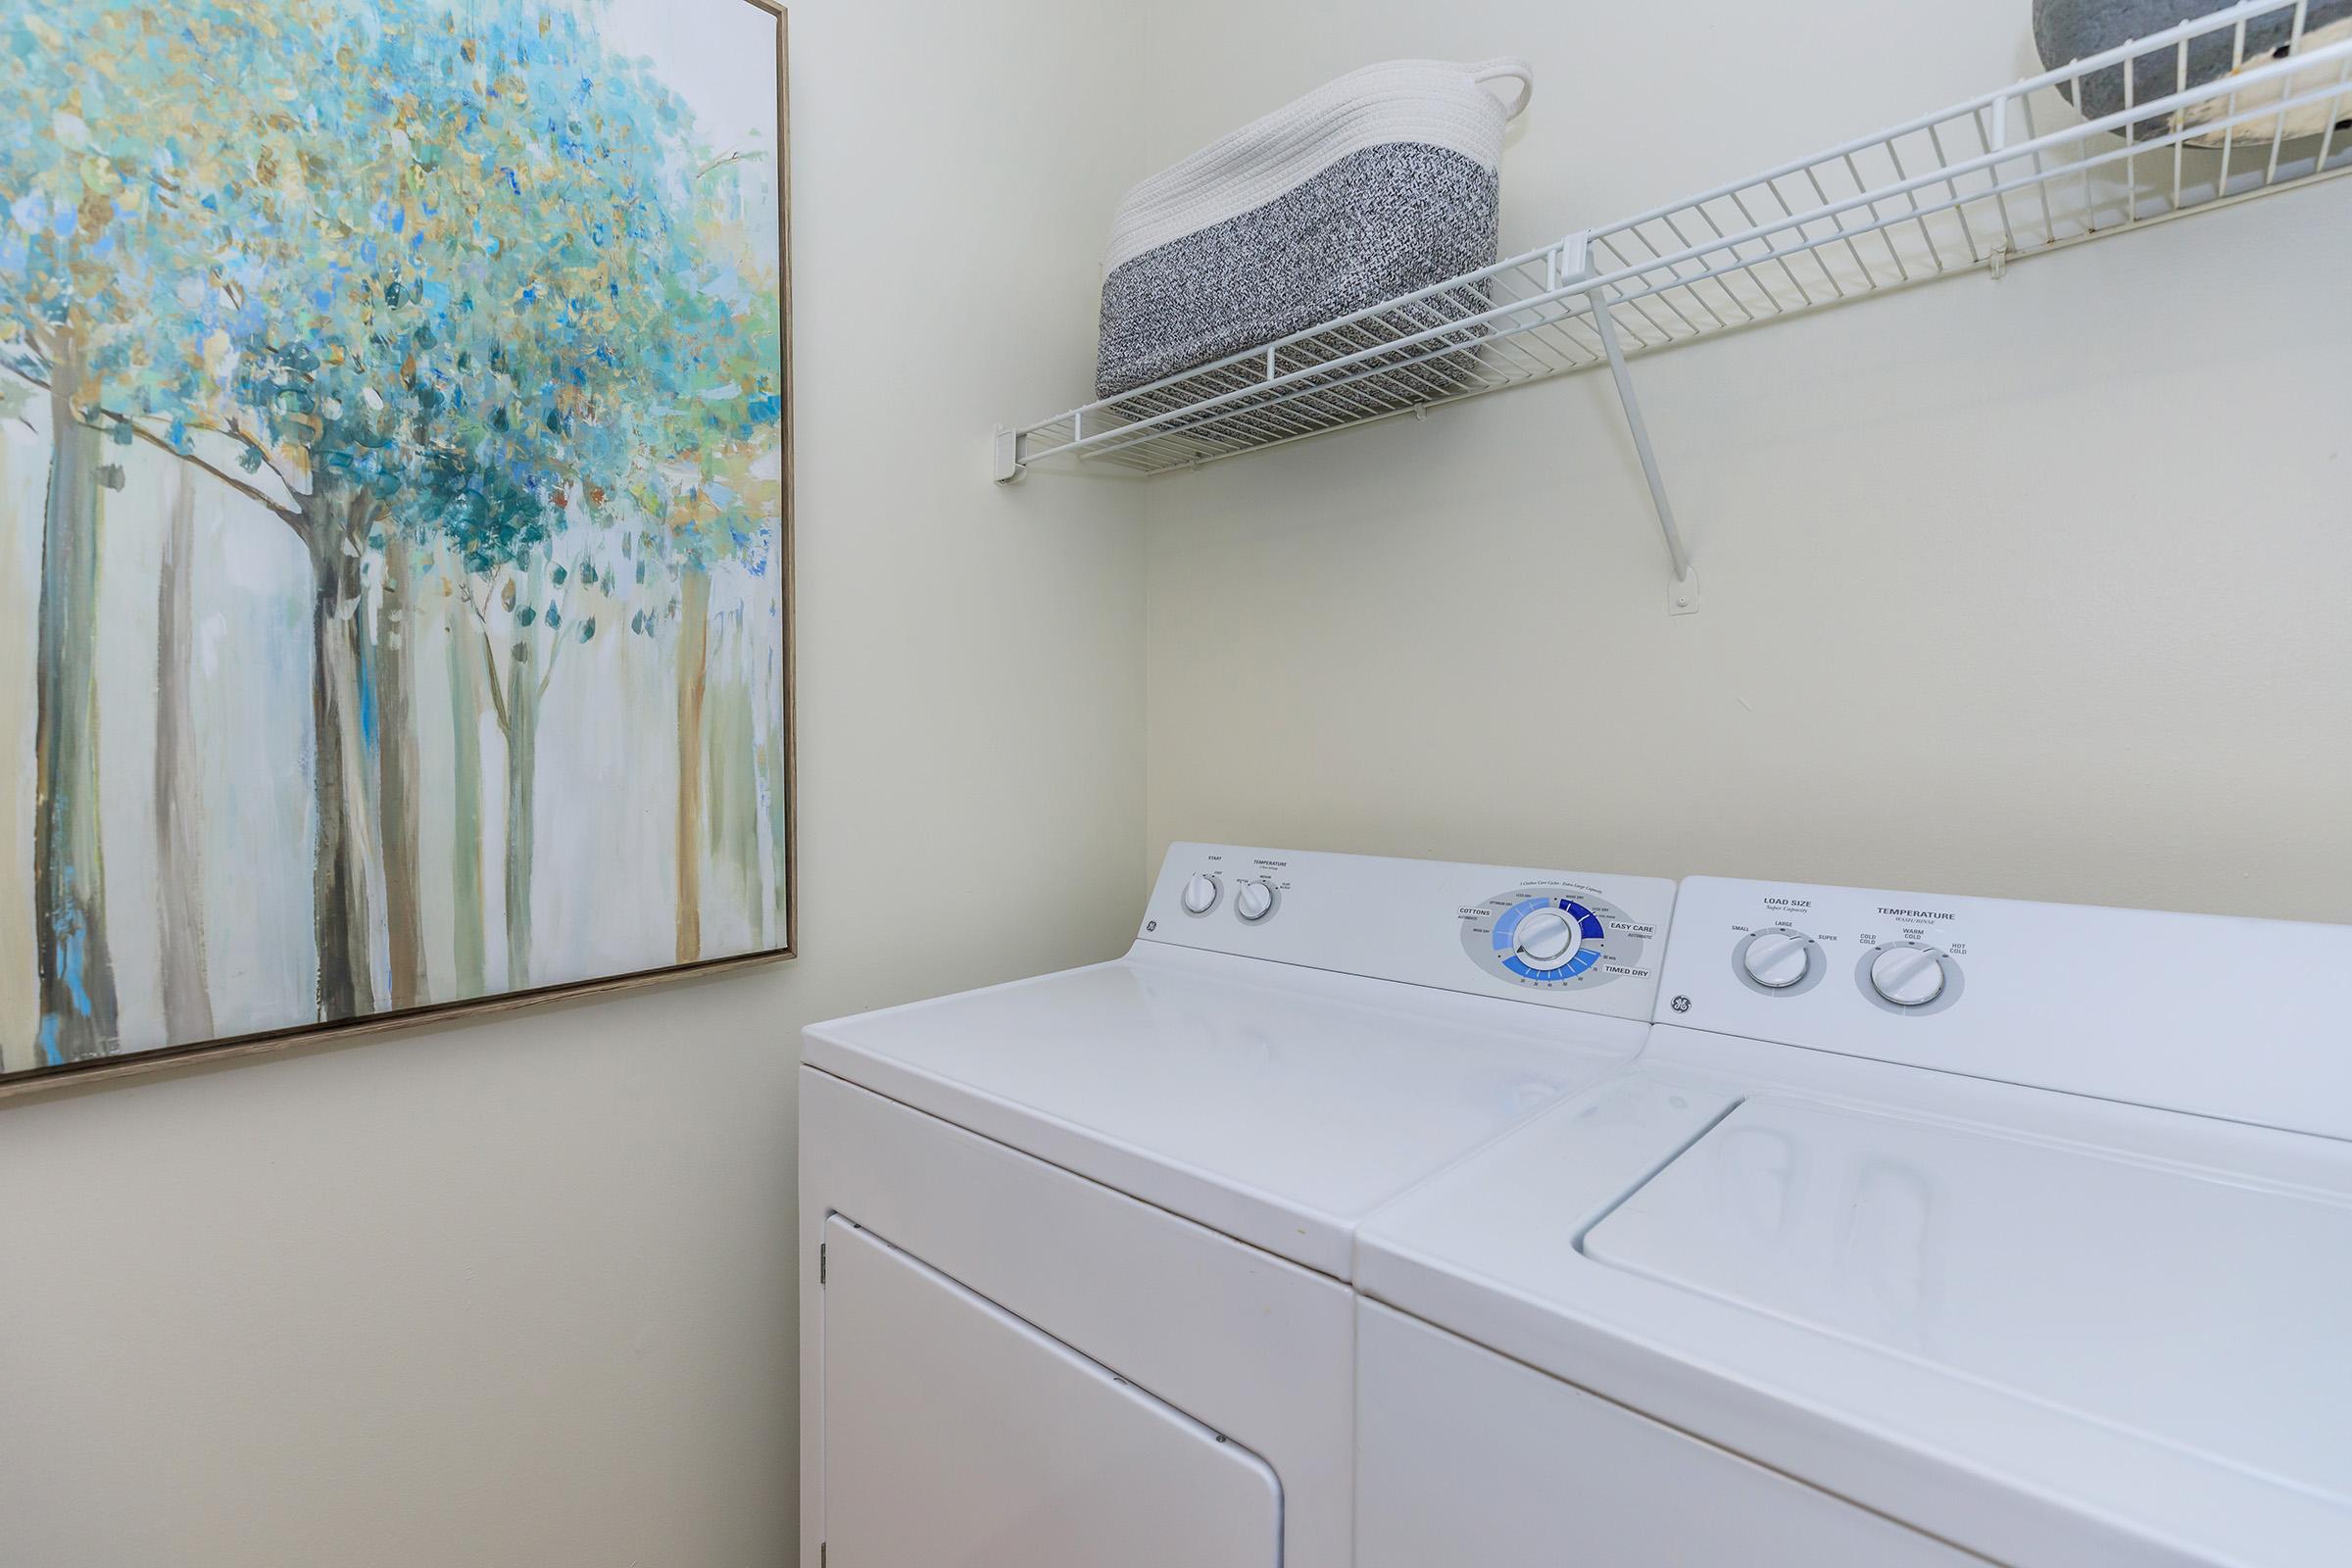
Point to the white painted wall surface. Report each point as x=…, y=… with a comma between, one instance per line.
x=2033, y=588
x=520, y=1292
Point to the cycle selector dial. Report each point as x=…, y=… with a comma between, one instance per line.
x=1254, y=901
x=1907, y=977
x=1547, y=939
x=1200, y=894
x=1778, y=959
x=1543, y=939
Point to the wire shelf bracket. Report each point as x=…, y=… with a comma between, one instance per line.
x=1575, y=265
x=2217, y=110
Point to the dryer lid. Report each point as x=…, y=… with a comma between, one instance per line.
x=1280, y=1105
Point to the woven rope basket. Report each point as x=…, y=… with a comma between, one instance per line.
x=1373, y=185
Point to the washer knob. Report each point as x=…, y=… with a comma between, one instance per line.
x=1777, y=959
x=1254, y=901
x=1908, y=977
x=1200, y=894
x=1547, y=939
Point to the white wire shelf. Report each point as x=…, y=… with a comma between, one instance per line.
x=2010, y=175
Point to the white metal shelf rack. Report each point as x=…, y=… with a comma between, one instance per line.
x=2006, y=175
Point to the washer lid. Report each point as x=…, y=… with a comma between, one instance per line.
x=1277, y=1104
x=2058, y=1332
x=2201, y=1311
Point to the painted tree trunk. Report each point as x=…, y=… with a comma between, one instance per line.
x=776, y=793
x=467, y=924
x=522, y=834
x=76, y=964
x=179, y=782
x=339, y=902
x=731, y=781
x=694, y=677
x=397, y=776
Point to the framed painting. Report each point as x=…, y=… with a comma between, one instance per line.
x=395, y=486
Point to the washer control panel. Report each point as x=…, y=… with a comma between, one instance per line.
x=1902, y=959
x=1557, y=935
x=2085, y=1000
x=1566, y=939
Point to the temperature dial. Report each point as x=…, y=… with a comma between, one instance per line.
x=1200, y=894
x=1908, y=977
x=1254, y=901
x=1777, y=959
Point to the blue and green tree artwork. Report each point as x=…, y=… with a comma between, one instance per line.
x=394, y=472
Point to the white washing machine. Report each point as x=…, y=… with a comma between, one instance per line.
x=1076, y=1252
x=1929, y=1231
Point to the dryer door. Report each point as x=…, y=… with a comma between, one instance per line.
x=957, y=1435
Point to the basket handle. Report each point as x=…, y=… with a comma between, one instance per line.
x=1508, y=69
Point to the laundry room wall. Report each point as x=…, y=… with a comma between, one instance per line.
x=2032, y=587
x=518, y=1292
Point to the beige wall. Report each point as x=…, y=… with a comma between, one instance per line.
x=2030, y=588
x=520, y=1292
x=2034, y=587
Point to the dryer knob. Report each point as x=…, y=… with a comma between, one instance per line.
x=1200, y=894
x=1254, y=901
x=1777, y=959
x=1908, y=977
x=1548, y=938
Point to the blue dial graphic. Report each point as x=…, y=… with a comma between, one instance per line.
x=1564, y=937
x=1583, y=954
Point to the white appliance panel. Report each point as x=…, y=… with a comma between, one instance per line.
x=1258, y=1348
x=2237, y=1018
x=1425, y=922
x=956, y=1434
x=1467, y=1457
x=1278, y=1105
x=2180, y=1304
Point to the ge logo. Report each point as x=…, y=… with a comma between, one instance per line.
x=1150, y=925
x=1681, y=1004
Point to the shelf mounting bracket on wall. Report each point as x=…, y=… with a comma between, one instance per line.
x=1575, y=263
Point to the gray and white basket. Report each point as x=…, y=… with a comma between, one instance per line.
x=2066, y=31
x=1374, y=185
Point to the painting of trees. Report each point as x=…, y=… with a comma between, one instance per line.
x=461, y=330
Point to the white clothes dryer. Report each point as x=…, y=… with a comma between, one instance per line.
x=1077, y=1251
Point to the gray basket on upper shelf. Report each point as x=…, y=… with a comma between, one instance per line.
x=1374, y=185
x=2066, y=31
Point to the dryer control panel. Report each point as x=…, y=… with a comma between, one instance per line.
x=2209, y=1014
x=1557, y=933
x=1568, y=939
